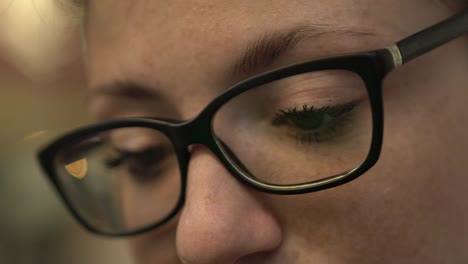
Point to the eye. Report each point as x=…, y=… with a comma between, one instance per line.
x=143, y=165
x=311, y=124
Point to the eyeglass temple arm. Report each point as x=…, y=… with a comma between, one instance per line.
x=428, y=39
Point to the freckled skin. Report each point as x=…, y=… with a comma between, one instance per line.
x=409, y=208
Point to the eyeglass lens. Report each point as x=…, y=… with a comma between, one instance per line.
x=121, y=180
x=298, y=129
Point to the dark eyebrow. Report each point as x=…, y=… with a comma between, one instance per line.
x=108, y=99
x=269, y=47
x=127, y=89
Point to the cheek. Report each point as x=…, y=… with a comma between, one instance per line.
x=381, y=216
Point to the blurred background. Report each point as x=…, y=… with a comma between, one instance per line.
x=41, y=97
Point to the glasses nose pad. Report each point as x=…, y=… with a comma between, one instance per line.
x=233, y=159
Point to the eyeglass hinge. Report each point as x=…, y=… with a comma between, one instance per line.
x=396, y=55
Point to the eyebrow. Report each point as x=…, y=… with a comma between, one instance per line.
x=257, y=55
x=127, y=89
x=267, y=48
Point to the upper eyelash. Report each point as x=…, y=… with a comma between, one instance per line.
x=295, y=114
x=114, y=162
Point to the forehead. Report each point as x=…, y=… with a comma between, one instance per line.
x=187, y=29
x=167, y=16
x=166, y=22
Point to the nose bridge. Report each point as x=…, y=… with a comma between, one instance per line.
x=200, y=132
x=222, y=220
x=194, y=131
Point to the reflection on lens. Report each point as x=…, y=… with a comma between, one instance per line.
x=120, y=180
x=78, y=169
x=298, y=129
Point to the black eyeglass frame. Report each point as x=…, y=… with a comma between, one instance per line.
x=371, y=66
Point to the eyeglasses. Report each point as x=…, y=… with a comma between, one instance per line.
x=302, y=128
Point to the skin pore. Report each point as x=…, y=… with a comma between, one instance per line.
x=409, y=208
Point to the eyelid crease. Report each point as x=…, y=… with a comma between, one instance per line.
x=138, y=141
x=321, y=88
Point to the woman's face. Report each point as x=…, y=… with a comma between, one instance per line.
x=409, y=208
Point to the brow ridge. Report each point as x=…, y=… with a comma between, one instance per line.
x=267, y=48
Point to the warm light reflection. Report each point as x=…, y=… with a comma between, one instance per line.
x=78, y=169
x=35, y=135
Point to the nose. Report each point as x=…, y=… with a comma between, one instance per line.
x=223, y=221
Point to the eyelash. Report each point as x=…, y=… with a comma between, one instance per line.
x=132, y=161
x=308, y=121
